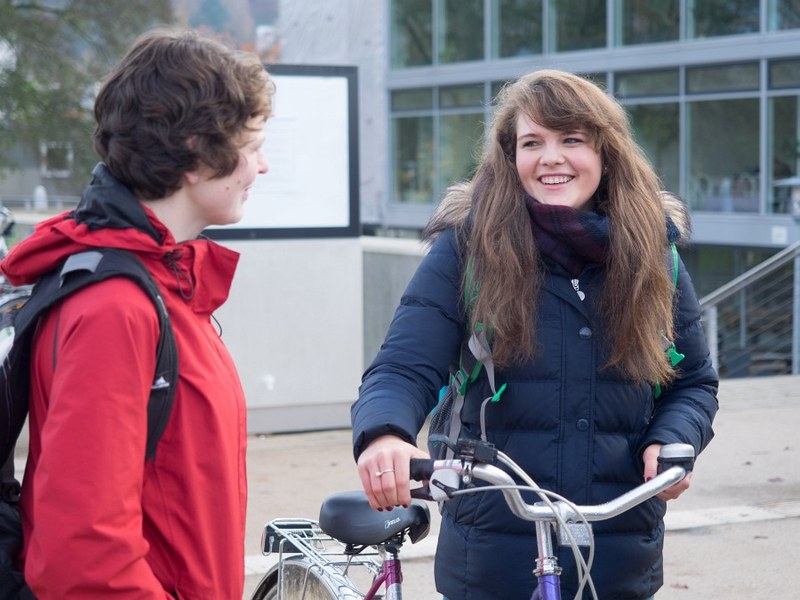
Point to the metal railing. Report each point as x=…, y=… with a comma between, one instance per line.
x=752, y=323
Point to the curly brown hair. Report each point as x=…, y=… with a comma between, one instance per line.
x=494, y=228
x=175, y=102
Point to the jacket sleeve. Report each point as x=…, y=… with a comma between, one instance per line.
x=93, y=364
x=401, y=386
x=685, y=410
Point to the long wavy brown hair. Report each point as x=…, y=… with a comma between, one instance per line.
x=493, y=228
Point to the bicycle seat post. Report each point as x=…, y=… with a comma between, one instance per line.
x=394, y=576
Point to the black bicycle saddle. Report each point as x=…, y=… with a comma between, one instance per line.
x=348, y=517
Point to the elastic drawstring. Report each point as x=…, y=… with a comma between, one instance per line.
x=171, y=259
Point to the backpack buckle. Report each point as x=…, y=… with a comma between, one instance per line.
x=459, y=381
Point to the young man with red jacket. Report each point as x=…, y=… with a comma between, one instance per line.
x=180, y=127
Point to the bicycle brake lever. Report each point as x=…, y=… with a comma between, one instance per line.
x=441, y=486
x=443, y=483
x=422, y=493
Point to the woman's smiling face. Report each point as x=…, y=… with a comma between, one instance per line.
x=557, y=167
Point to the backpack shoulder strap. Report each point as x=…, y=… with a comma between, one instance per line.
x=476, y=352
x=669, y=346
x=93, y=266
x=78, y=271
x=675, y=266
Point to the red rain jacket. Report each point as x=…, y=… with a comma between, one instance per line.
x=98, y=521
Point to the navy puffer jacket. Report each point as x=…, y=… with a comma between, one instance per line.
x=576, y=429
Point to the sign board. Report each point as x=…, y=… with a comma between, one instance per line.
x=311, y=147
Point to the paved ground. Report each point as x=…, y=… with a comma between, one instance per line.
x=734, y=535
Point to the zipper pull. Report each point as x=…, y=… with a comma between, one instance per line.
x=577, y=287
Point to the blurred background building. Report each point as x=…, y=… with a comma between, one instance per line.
x=712, y=88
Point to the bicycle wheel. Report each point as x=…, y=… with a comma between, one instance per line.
x=302, y=580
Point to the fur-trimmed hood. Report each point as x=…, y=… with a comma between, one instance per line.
x=677, y=214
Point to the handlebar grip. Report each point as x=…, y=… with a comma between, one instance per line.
x=421, y=469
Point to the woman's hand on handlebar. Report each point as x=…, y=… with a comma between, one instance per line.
x=384, y=471
x=650, y=458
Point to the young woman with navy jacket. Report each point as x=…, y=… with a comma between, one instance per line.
x=563, y=238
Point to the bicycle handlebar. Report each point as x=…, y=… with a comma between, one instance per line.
x=679, y=456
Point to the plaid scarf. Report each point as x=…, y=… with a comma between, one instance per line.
x=572, y=238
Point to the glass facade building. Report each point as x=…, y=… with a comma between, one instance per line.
x=712, y=89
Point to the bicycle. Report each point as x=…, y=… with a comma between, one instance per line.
x=350, y=548
x=571, y=522
x=348, y=521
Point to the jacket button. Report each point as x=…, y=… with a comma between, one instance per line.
x=585, y=333
x=582, y=424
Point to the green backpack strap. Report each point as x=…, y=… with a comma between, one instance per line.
x=476, y=353
x=675, y=264
x=669, y=346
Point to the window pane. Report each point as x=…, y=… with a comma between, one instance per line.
x=711, y=18
x=646, y=21
x=517, y=28
x=784, y=115
x=599, y=79
x=647, y=83
x=784, y=74
x=728, y=180
x=460, y=137
x=784, y=14
x=496, y=87
x=461, y=35
x=412, y=39
x=56, y=159
x=656, y=128
x=579, y=24
x=412, y=140
x=461, y=95
x=719, y=264
x=729, y=78
x=416, y=99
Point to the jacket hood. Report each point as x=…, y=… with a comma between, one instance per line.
x=108, y=215
x=106, y=203
x=679, y=225
x=454, y=210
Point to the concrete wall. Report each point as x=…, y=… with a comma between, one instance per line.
x=346, y=33
x=388, y=267
x=305, y=317
x=294, y=325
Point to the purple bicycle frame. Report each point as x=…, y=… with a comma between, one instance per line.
x=392, y=575
x=547, y=589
